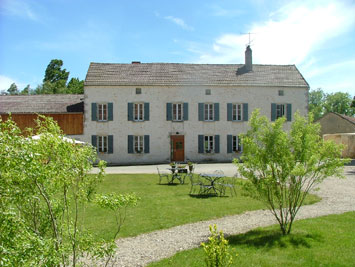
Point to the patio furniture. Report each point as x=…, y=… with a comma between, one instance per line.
x=177, y=173
x=228, y=183
x=212, y=185
x=195, y=182
x=162, y=175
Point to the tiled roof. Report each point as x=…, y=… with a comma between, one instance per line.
x=144, y=74
x=41, y=103
x=350, y=119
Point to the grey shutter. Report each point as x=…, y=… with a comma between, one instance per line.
x=110, y=144
x=245, y=111
x=273, y=111
x=146, y=111
x=186, y=111
x=94, y=140
x=200, y=144
x=130, y=144
x=216, y=143
x=200, y=112
x=130, y=111
x=229, y=143
x=169, y=111
x=93, y=112
x=229, y=111
x=146, y=144
x=216, y=111
x=289, y=112
x=110, y=111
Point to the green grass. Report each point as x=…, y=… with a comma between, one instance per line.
x=324, y=241
x=162, y=206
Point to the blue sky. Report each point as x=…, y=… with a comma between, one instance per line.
x=317, y=36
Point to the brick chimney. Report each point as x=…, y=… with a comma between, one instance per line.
x=248, y=59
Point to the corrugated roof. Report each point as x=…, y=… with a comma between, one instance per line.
x=41, y=103
x=145, y=74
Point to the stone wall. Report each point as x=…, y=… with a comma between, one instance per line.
x=347, y=139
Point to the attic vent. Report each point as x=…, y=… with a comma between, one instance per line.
x=136, y=62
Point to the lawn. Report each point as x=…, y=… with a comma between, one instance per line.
x=162, y=206
x=324, y=241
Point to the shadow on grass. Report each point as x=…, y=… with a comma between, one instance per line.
x=270, y=239
x=203, y=195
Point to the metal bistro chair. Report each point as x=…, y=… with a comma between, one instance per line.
x=162, y=175
x=226, y=184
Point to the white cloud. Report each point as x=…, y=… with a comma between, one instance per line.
x=179, y=22
x=5, y=83
x=288, y=36
x=18, y=8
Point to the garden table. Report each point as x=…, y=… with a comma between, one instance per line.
x=177, y=173
x=212, y=186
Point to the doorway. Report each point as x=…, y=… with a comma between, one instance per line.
x=177, y=148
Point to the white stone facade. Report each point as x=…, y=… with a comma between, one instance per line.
x=160, y=129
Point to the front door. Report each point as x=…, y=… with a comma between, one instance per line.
x=177, y=148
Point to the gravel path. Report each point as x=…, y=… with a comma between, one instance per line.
x=338, y=196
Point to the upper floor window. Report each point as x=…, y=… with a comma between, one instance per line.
x=177, y=111
x=208, y=92
x=138, y=143
x=138, y=91
x=102, y=112
x=237, y=112
x=281, y=92
x=209, y=112
x=102, y=142
x=280, y=110
x=138, y=112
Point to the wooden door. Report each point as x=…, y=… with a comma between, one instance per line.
x=177, y=148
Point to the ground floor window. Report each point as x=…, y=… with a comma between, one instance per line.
x=138, y=143
x=209, y=144
x=102, y=144
x=236, y=145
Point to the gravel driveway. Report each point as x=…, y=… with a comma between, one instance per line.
x=338, y=196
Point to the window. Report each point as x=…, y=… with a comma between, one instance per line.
x=208, y=144
x=237, y=112
x=102, y=144
x=208, y=92
x=138, y=112
x=280, y=110
x=102, y=112
x=209, y=112
x=138, y=144
x=177, y=112
x=236, y=146
x=281, y=92
x=138, y=91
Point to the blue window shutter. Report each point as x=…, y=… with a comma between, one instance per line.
x=289, y=112
x=146, y=111
x=169, y=111
x=200, y=112
x=245, y=111
x=130, y=144
x=229, y=112
x=93, y=112
x=110, y=111
x=200, y=144
x=94, y=140
x=216, y=143
x=186, y=111
x=229, y=143
x=216, y=111
x=130, y=111
x=273, y=111
x=146, y=144
x=110, y=144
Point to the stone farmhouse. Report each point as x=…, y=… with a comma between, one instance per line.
x=143, y=113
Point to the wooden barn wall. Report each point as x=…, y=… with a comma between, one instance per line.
x=69, y=123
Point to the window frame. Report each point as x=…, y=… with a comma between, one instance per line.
x=138, y=144
x=175, y=109
x=209, y=107
x=102, y=111
x=236, y=145
x=280, y=108
x=138, y=111
x=208, y=144
x=102, y=144
x=237, y=111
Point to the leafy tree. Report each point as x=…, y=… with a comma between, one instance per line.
x=13, y=90
x=316, y=103
x=26, y=90
x=54, y=72
x=339, y=102
x=75, y=86
x=282, y=167
x=44, y=186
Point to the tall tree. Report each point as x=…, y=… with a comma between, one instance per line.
x=75, y=86
x=54, y=72
x=26, y=90
x=316, y=103
x=13, y=90
x=339, y=102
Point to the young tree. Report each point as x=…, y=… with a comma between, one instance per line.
x=26, y=90
x=13, y=90
x=282, y=167
x=44, y=185
x=316, y=100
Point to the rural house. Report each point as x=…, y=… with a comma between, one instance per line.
x=160, y=112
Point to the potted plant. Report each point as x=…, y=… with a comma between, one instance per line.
x=173, y=166
x=191, y=166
